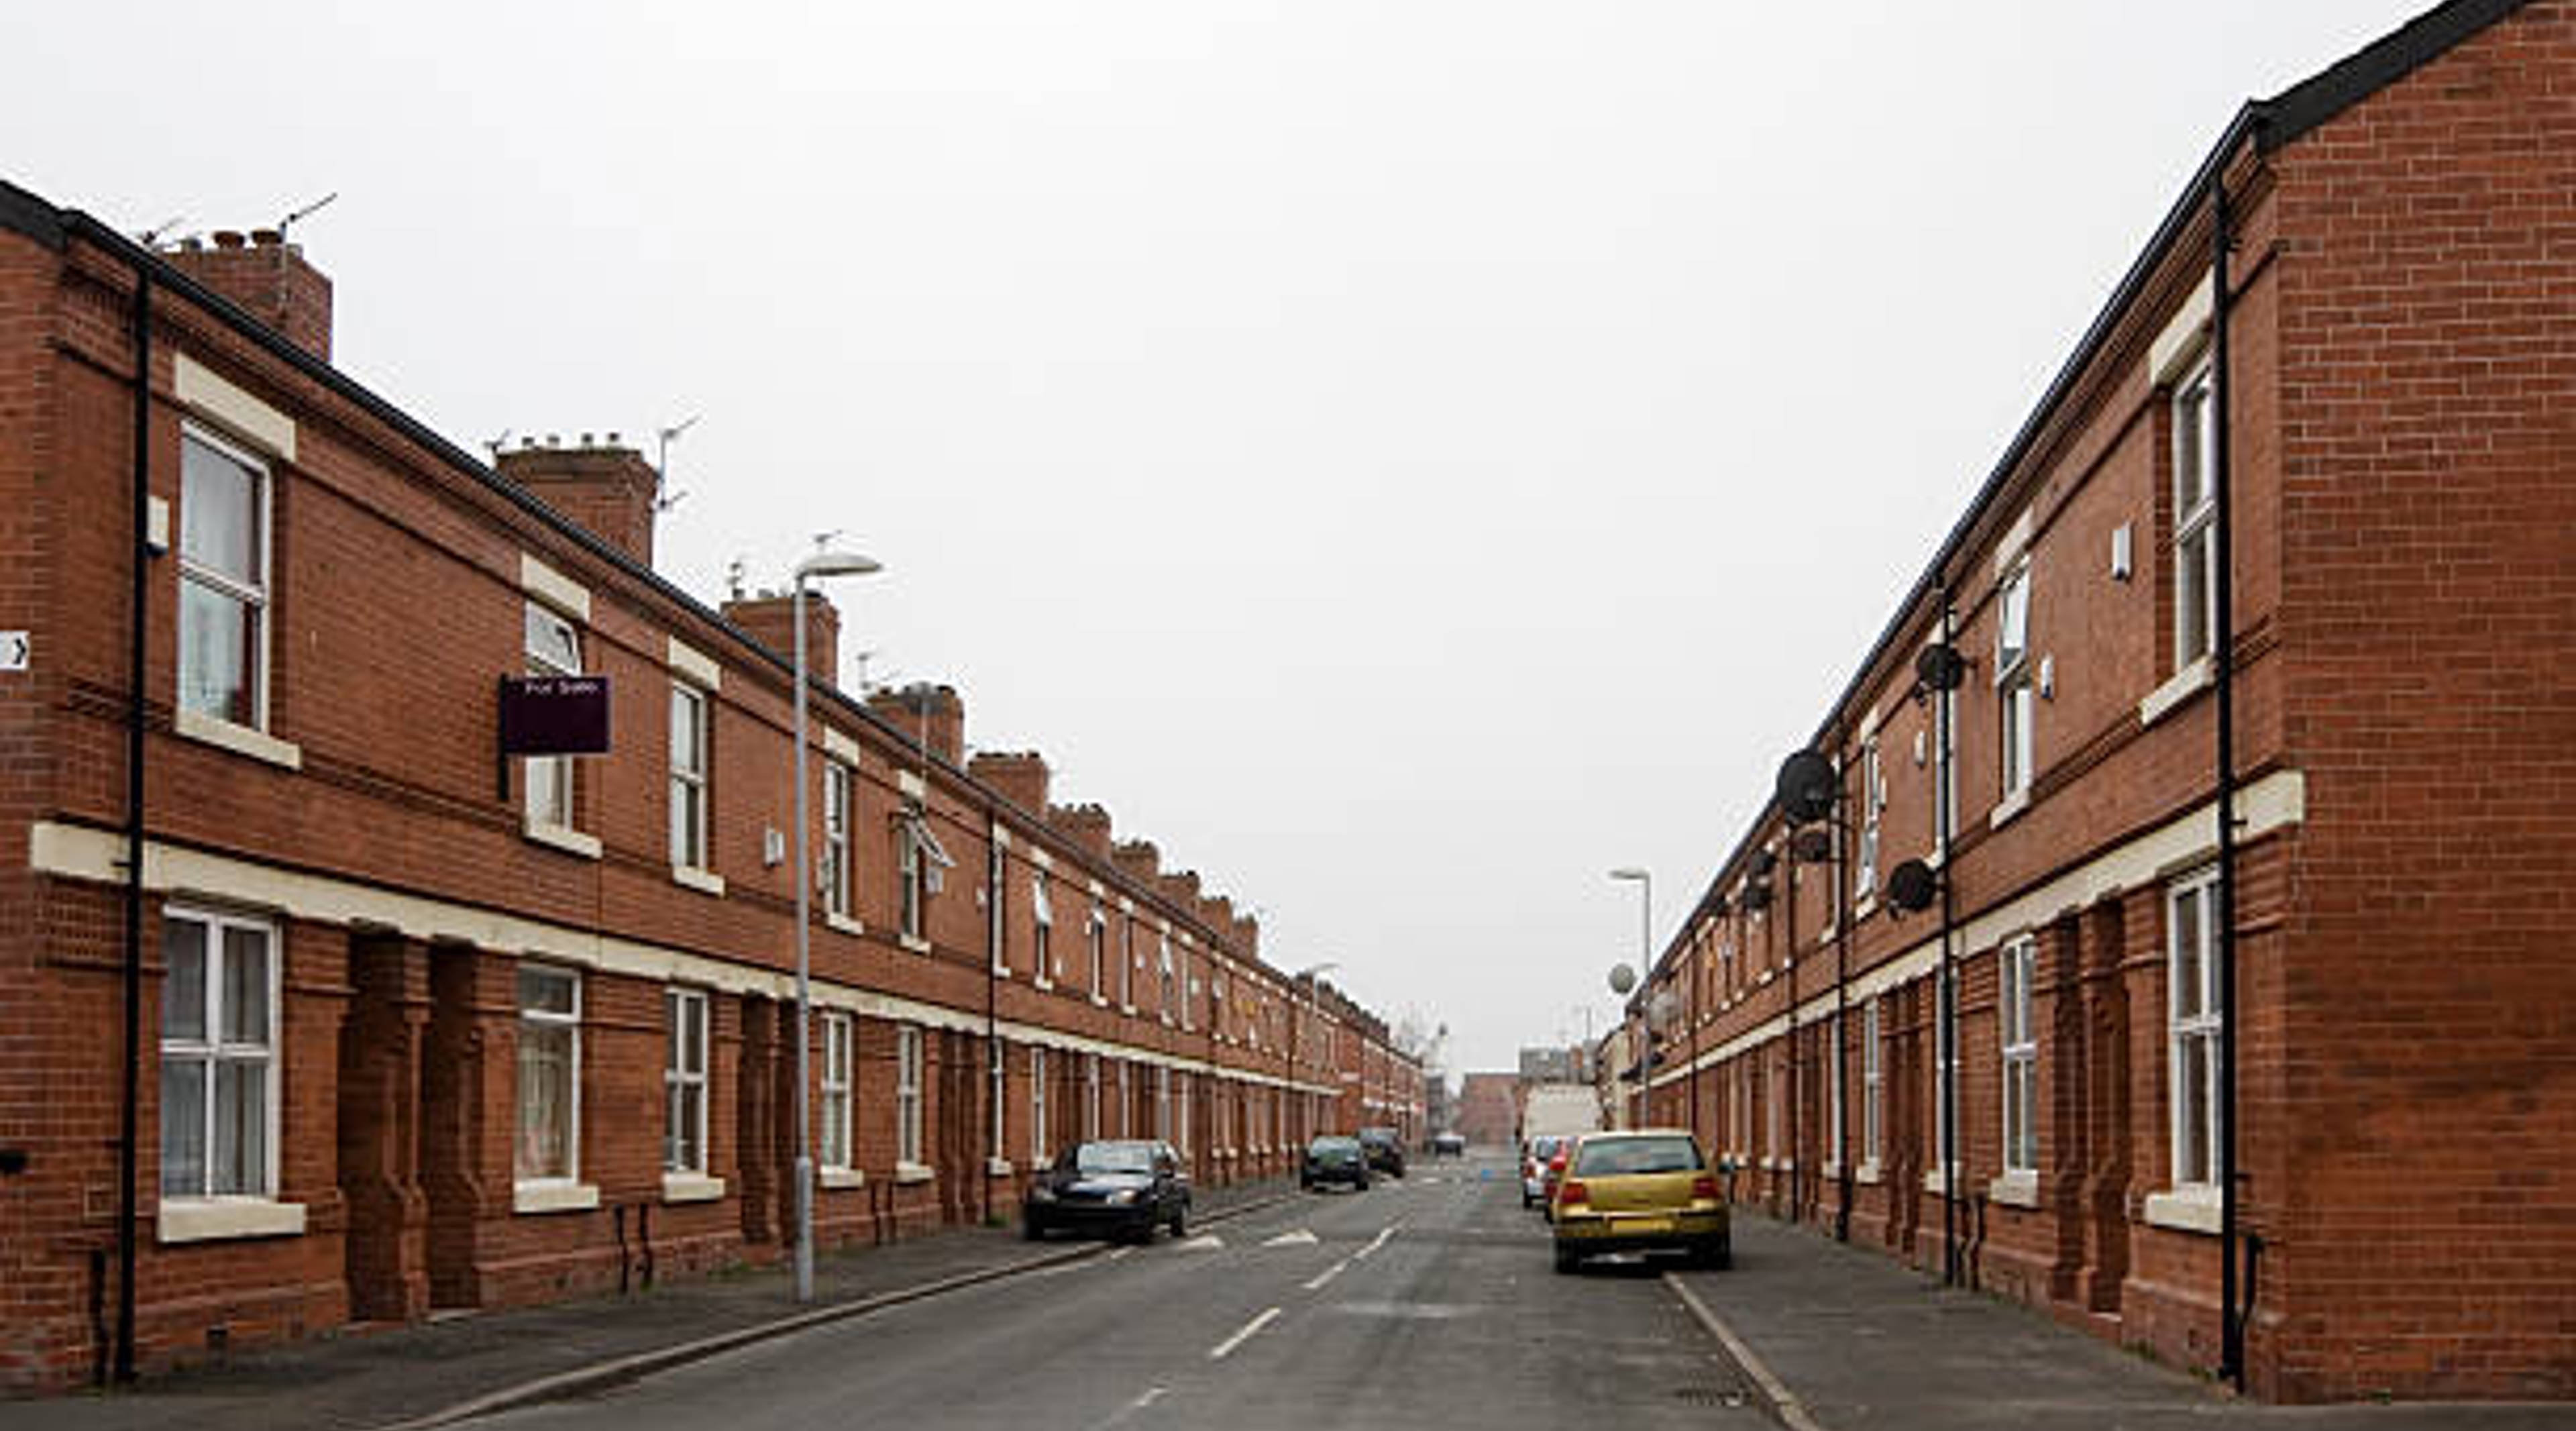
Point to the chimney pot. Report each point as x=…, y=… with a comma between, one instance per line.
x=228, y=238
x=267, y=238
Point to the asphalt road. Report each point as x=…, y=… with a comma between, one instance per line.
x=1422, y=1303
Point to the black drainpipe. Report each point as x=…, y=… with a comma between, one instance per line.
x=1840, y=1081
x=2231, y=1325
x=128, y=1110
x=1944, y=1034
x=999, y=877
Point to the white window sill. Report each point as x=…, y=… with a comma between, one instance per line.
x=1127, y=1009
x=553, y=1197
x=907, y=1174
x=840, y=1179
x=2191, y=1209
x=1766, y=978
x=704, y=881
x=562, y=837
x=2019, y=1189
x=691, y=1187
x=1098, y=1002
x=2186, y=683
x=1933, y=1182
x=914, y=942
x=844, y=924
x=1001, y=971
x=997, y=1167
x=2008, y=807
x=1866, y=1173
x=223, y=1218
x=239, y=739
x=1043, y=983
x=1865, y=906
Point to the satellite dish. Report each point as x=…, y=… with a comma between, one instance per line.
x=1940, y=667
x=1664, y=1009
x=1717, y=905
x=1622, y=978
x=1911, y=887
x=1762, y=863
x=1813, y=846
x=1757, y=897
x=1807, y=787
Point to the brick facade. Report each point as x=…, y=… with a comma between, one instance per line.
x=2402, y=354
x=357, y=821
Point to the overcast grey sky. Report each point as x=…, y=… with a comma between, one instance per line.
x=1404, y=458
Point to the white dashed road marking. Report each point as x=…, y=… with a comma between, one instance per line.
x=1245, y=1333
x=1299, y=1238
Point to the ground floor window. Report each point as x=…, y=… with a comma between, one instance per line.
x=836, y=1090
x=2193, y=1021
x=907, y=1095
x=2018, y=961
x=549, y=1139
x=1037, y=1105
x=218, y=1056
x=684, y=1082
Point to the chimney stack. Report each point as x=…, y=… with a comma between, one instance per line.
x=1137, y=859
x=1181, y=887
x=1020, y=776
x=1088, y=825
x=770, y=619
x=607, y=490
x=1247, y=936
x=266, y=277
x=924, y=707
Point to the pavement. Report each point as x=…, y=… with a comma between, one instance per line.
x=456, y=1366
x=1837, y=1338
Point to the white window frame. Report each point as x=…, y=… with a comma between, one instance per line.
x=1042, y=928
x=689, y=786
x=1126, y=1099
x=549, y=1018
x=1873, y=1086
x=997, y=1058
x=1167, y=1011
x=1090, y=1096
x=1037, y=1104
x=1127, y=967
x=1873, y=802
x=685, y=1011
x=997, y=893
x=2016, y=696
x=1096, y=941
x=2195, y=512
x=2193, y=1026
x=838, y=781
x=255, y=598
x=2016, y=965
x=549, y=779
x=907, y=1094
x=213, y=1050
x=1944, y=1069
x=1834, y=1091
x=1181, y=1111
x=837, y=1152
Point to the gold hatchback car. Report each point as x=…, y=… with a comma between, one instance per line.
x=1646, y=1190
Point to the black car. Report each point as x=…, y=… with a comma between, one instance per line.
x=1122, y=1189
x=1385, y=1150
x=1334, y=1158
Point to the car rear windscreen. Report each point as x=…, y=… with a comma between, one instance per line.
x=1616, y=1157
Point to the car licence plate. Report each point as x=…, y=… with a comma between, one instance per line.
x=1645, y=1224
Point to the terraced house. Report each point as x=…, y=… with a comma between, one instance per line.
x=2291, y=534
x=316, y=1008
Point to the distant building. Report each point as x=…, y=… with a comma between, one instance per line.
x=1488, y=1110
x=1550, y=1065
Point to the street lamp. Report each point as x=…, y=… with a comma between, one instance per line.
x=1315, y=1014
x=813, y=568
x=1645, y=882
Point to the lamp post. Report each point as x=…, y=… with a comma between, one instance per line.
x=1645, y=882
x=821, y=564
x=1314, y=1015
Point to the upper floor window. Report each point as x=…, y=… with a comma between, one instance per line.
x=2192, y=1016
x=1127, y=965
x=996, y=865
x=1171, y=1005
x=835, y=873
x=2014, y=690
x=1041, y=926
x=219, y=1082
x=554, y=649
x=2195, y=513
x=223, y=581
x=1096, y=941
x=1873, y=800
x=2017, y=963
x=919, y=861
x=688, y=776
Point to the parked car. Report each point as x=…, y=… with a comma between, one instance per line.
x=1448, y=1145
x=1535, y=1156
x=1650, y=1190
x=1123, y=1189
x=1334, y=1158
x=1385, y=1150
